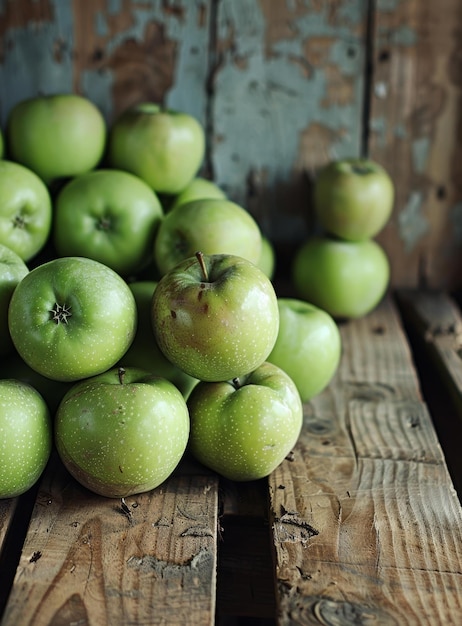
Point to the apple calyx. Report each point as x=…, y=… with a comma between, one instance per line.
x=104, y=224
x=19, y=222
x=60, y=313
x=200, y=258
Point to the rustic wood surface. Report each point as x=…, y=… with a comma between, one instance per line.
x=415, y=129
x=150, y=559
x=366, y=520
x=439, y=322
x=281, y=88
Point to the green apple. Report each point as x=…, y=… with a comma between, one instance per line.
x=25, y=210
x=72, y=318
x=144, y=353
x=12, y=271
x=26, y=437
x=56, y=136
x=52, y=391
x=267, y=260
x=215, y=317
x=198, y=189
x=345, y=278
x=122, y=432
x=353, y=198
x=214, y=226
x=243, y=429
x=162, y=146
x=111, y=216
x=308, y=347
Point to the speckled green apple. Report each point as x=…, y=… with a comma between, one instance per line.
x=122, y=432
x=214, y=226
x=144, y=353
x=26, y=437
x=71, y=318
x=164, y=147
x=52, y=391
x=244, y=429
x=25, y=210
x=198, y=189
x=12, y=271
x=215, y=316
x=111, y=216
x=308, y=347
x=345, y=278
x=353, y=198
x=57, y=136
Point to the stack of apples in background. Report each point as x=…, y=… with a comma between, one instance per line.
x=138, y=317
x=344, y=270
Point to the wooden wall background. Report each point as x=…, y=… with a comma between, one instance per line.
x=281, y=86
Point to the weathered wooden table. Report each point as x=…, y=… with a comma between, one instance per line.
x=361, y=525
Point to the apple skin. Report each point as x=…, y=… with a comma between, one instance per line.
x=52, y=391
x=353, y=198
x=110, y=216
x=144, y=353
x=214, y=226
x=122, y=433
x=56, y=136
x=198, y=189
x=244, y=432
x=162, y=146
x=25, y=210
x=308, y=347
x=215, y=327
x=27, y=436
x=267, y=260
x=12, y=271
x=345, y=278
x=72, y=318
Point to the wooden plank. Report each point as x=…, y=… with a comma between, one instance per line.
x=437, y=319
x=287, y=96
x=93, y=560
x=115, y=53
x=7, y=508
x=365, y=518
x=415, y=121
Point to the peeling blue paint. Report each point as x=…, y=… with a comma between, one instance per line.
x=30, y=59
x=263, y=104
x=400, y=131
x=420, y=153
x=378, y=126
x=412, y=223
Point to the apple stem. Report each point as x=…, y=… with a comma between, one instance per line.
x=121, y=375
x=236, y=382
x=200, y=258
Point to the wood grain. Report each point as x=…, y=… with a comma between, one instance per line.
x=92, y=560
x=365, y=517
x=281, y=88
x=438, y=321
x=415, y=127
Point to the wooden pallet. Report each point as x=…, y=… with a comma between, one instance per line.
x=361, y=525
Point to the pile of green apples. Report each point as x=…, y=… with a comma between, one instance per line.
x=138, y=317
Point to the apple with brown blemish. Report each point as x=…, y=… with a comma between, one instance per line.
x=215, y=316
